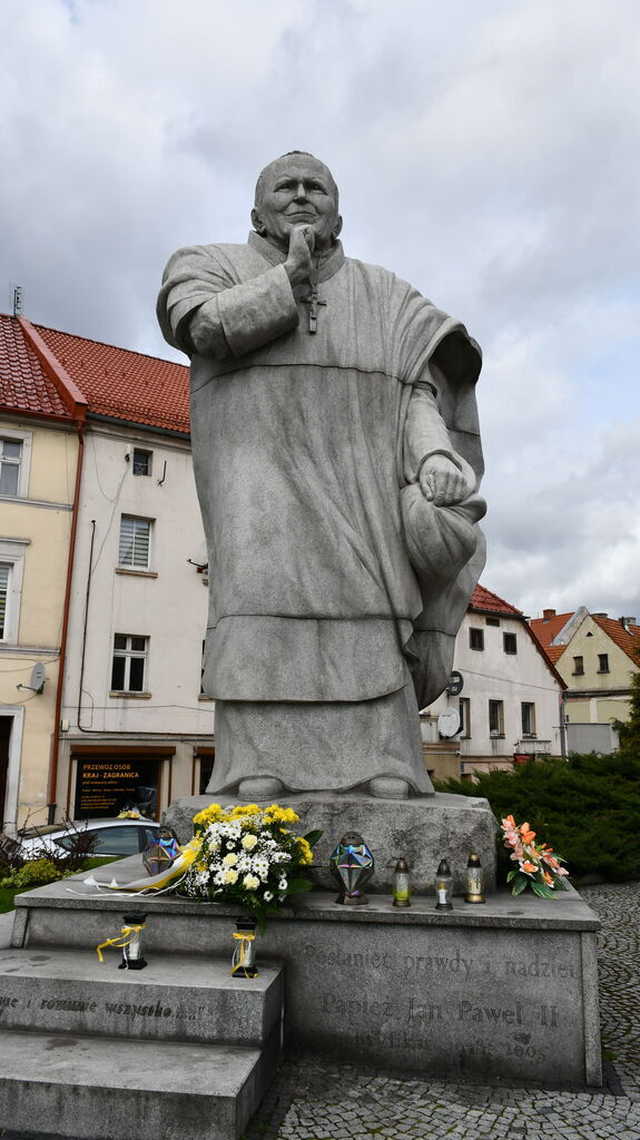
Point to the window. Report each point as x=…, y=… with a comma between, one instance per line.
x=603, y=662
x=129, y=663
x=496, y=718
x=465, y=717
x=476, y=638
x=141, y=461
x=10, y=459
x=5, y=569
x=135, y=542
x=528, y=718
x=578, y=666
x=510, y=642
x=492, y=621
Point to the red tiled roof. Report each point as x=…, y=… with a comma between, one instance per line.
x=553, y=652
x=627, y=640
x=546, y=629
x=24, y=385
x=483, y=599
x=126, y=385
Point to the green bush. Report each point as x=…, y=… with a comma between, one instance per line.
x=34, y=873
x=586, y=808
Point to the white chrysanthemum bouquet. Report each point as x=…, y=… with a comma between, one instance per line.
x=248, y=855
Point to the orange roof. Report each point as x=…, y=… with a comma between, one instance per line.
x=546, y=629
x=123, y=384
x=627, y=640
x=484, y=600
x=25, y=386
x=553, y=652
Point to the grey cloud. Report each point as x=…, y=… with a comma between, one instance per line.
x=487, y=153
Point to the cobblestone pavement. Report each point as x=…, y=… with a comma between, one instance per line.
x=314, y=1100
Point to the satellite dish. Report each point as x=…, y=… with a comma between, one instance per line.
x=38, y=677
x=449, y=722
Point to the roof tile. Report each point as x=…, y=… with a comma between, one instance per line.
x=124, y=384
x=24, y=385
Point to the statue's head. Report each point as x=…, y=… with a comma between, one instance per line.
x=293, y=190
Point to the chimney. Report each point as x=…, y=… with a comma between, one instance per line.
x=600, y=615
x=548, y=614
x=625, y=622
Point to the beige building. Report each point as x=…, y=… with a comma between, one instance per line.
x=41, y=421
x=596, y=656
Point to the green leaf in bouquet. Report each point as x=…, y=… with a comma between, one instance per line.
x=295, y=886
x=519, y=884
x=542, y=890
x=312, y=837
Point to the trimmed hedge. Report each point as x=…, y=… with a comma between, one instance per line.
x=586, y=808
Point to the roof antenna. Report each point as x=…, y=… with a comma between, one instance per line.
x=17, y=300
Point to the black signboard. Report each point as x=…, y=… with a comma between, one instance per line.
x=107, y=785
x=456, y=683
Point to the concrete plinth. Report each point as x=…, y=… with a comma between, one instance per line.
x=423, y=829
x=505, y=989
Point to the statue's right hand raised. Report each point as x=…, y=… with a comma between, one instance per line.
x=301, y=245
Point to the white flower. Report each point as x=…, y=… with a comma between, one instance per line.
x=229, y=846
x=249, y=842
x=230, y=876
x=268, y=895
x=251, y=882
x=282, y=885
x=231, y=859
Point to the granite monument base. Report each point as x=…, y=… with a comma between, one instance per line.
x=423, y=829
x=505, y=990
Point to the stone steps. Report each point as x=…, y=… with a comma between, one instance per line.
x=176, y=998
x=178, y=1049
x=101, y=1088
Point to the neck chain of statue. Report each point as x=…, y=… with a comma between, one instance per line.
x=313, y=300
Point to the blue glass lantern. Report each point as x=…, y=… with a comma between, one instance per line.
x=352, y=866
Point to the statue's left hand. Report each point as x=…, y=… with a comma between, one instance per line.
x=442, y=482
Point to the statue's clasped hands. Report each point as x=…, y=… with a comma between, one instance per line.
x=442, y=482
x=298, y=264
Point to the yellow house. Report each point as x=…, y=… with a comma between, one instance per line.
x=41, y=431
x=596, y=656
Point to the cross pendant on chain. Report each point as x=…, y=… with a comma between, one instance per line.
x=313, y=301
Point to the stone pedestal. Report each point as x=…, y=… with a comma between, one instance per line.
x=505, y=990
x=422, y=829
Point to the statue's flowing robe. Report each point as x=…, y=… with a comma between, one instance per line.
x=326, y=596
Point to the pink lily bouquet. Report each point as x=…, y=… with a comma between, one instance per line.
x=537, y=867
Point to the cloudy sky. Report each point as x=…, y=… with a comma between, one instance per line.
x=489, y=153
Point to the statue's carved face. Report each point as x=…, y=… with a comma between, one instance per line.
x=297, y=190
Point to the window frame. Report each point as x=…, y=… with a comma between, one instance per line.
x=528, y=733
x=150, y=527
x=578, y=670
x=496, y=733
x=606, y=667
x=149, y=455
x=25, y=439
x=506, y=639
x=477, y=632
x=129, y=654
x=12, y=553
x=464, y=709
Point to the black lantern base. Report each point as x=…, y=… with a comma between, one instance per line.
x=352, y=900
x=133, y=964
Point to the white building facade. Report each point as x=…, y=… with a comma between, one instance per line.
x=135, y=729
x=510, y=703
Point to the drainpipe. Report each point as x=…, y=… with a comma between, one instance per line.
x=563, y=727
x=55, y=737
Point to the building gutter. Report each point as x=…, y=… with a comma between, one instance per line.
x=117, y=421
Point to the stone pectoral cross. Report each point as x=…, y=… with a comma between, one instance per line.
x=313, y=301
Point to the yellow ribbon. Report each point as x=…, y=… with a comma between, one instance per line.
x=242, y=938
x=120, y=941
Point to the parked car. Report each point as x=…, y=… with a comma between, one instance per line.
x=111, y=836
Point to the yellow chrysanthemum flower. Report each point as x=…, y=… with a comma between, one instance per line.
x=210, y=814
x=306, y=853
